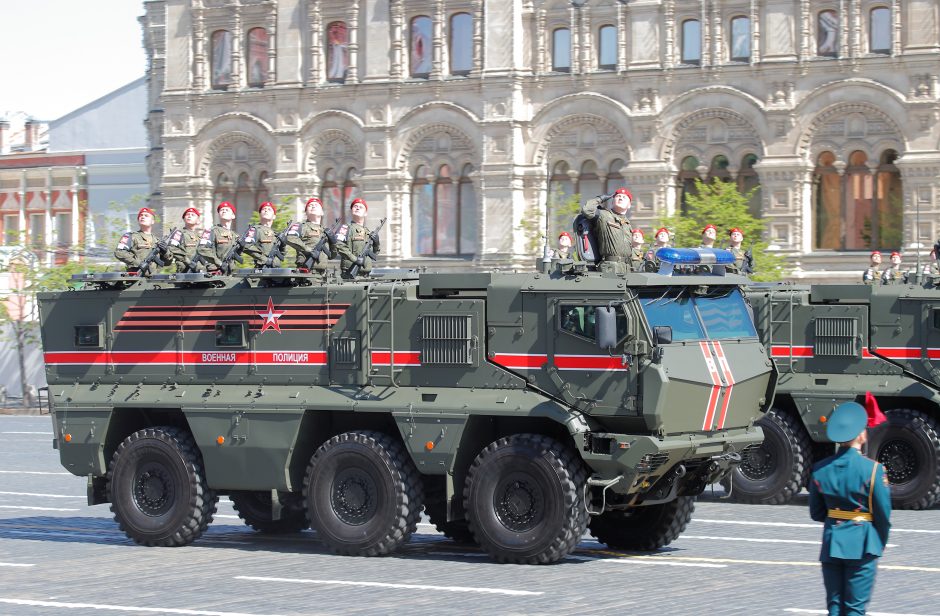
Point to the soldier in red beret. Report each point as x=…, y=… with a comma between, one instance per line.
x=893, y=273
x=736, y=237
x=134, y=246
x=305, y=236
x=183, y=244
x=217, y=241
x=709, y=235
x=260, y=241
x=565, y=248
x=351, y=240
x=612, y=228
x=872, y=275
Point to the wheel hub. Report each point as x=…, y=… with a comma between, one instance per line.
x=757, y=462
x=518, y=504
x=153, y=490
x=353, y=497
x=899, y=460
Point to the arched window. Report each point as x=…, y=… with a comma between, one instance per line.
x=443, y=212
x=221, y=60
x=607, y=48
x=561, y=50
x=858, y=217
x=561, y=188
x=688, y=174
x=467, y=206
x=422, y=211
x=245, y=204
x=827, y=203
x=740, y=39
x=748, y=181
x=691, y=42
x=223, y=190
x=589, y=184
x=827, y=34
x=337, y=52
x=350, y=189
x=331, y=194
x=421, y=46
x=461, y=44
x=615, y=175
x=257, y=54
x=889, y=200
x=719, y=169
x=879, y=30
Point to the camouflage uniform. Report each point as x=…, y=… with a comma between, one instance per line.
x=258, y=245
x=871, y=276
x=570, y=253
x=134, y=248
x=182, y=247
x=613, y=232
x=304, y=237
x=350, y=242
x=637, y=258
x=215, y=244
x=739, y=260
x=892, y=275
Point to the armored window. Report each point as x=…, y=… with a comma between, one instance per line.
x=257, y=48
x=691, y=42
x=935, y=313
x=561, y=50
x=836, y=336
x=879, y=30
x=740, y=39
x=446, y=339
x=461, y=44
x=580, y=320
x=231, y=334
x=88, y=336
x=607, y=48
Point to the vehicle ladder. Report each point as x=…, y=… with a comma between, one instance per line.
x=780, y=313
x=374, y=295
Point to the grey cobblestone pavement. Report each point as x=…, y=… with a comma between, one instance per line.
x=59, y=556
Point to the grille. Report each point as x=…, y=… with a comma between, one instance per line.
x=836, y=336
x=652, y=461
x=344, y=350
x=445, y=339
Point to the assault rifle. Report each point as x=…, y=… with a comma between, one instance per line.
x=280, y=243
x=156, y=256
x=367, y=251
x=235, y=252
x=313, y=256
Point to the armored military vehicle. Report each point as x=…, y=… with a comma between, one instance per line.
x=513, y=407
x=832, y=343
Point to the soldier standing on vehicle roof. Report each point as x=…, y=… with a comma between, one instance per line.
x=565, y=249
x=709, y=235
x=218, y=240
x=258, y=245
x=183, y=244
x=351, y=239
x=612, y=227
x=893, y=273
x=849, y=493
x=136, y=245
x=737, y=238
x=661, y=240
x=872, y=275
x=932, y=268
x=306, y=235
x=636, y=254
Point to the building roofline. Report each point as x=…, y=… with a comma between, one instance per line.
x=98, y=101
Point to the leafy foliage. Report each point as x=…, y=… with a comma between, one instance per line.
x=721, y=204
x=562, y=210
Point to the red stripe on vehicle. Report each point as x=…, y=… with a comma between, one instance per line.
x=520, y=361
x=716, y=386
x=402, y=358
x=172, y=358
x=590, y=362
x=791, y=351
x=729, y=378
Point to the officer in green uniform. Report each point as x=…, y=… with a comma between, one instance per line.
x=872, y=275
x=258, y=244
x=737, y=238
x=306, y=235
x=637, y=255
x=183, y=244
x=893, y=273
x=136, y=245
x=661, y=240
x=849, y=493
x=217, y=241
x=565, y=249
x=351, y=239
x=612, y=229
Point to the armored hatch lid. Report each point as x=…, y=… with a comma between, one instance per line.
x=840, y=293
x=451, y=283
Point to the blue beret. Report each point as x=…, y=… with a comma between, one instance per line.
x=846, y=422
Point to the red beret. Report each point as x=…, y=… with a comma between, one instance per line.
x=145, y=210
x=313, y=200
x=895, y=254
x=624, y=191
x=875, y=252
x=225, y=204
x=267, y=204
x=640, y=231
x=564, y=234
x=661, y=229
x=359, y=200
x=733, y=229
x=191, y=209
x=707, y=227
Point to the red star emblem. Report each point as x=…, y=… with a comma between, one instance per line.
x=270, y=318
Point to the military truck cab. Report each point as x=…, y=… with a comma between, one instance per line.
x=514, y=408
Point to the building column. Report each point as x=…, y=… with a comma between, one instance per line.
x=77, y=223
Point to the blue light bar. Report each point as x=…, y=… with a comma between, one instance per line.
x=695, y=256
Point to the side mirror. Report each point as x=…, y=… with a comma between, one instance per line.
x=606, y=321
x=662, y=334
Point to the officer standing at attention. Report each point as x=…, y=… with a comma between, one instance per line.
x=893, y=273
x=871, y=275
x=183, y=244
x=306, y=235
x=737, y=238
x=636, y=246
x=217, y=241
x=565, y=249
x=258, y=245
x=136, y=245
x=612, y=227
x=351, y=239
x=849, y=493
x=709, y=235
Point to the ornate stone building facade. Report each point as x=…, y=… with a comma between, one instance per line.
x=460, y=119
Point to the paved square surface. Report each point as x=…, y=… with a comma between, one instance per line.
x=60, y=556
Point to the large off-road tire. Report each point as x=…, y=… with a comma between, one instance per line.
x=524, y=498
x=644, y=528
x=255, y=509
x=158, y=490
x=363, y=494
x=458, y=531
x=774, y=471
x=909, y=448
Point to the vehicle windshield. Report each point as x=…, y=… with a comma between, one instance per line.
x=721, y=314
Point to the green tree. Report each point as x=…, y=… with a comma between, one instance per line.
x=721, y=204
x=562, y=210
